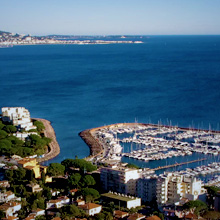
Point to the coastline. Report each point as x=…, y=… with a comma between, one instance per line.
x=54, y=148
x=10, y=44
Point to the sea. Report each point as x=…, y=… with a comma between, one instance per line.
x=173, y=80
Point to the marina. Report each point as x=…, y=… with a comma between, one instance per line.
x=157, y=147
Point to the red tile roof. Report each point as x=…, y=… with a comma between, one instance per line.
x=89, y=206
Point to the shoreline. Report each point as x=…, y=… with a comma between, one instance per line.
x=54, y=148
x=96, y=148
x=9, y=45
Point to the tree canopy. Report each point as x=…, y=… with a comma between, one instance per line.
x=39, y=125
x=90, y=193
x=10, y=145
x=56, y=169
x=70, y=210
x=3, y=134
x=130, y=165
x=197, y=206
x=211, y=193
x=82, y=164
x=10, y=129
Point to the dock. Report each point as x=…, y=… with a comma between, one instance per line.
x=178, y=164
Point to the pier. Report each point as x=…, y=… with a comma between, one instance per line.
x=178, y=164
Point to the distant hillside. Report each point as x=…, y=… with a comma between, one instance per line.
x=4, y=32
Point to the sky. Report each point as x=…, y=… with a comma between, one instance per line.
x=111, y=17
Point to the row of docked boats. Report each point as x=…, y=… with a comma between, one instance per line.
x=201, y=170
x=156, y=142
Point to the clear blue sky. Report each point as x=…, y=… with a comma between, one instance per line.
x=105, y=17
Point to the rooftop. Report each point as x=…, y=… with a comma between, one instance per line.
x=119, y=197
x=153, y=217
x=26, y=160
x=136, y=216
x=90, y=206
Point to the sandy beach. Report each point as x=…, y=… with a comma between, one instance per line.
x=54, y=148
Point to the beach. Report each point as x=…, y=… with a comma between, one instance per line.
x=54, y=148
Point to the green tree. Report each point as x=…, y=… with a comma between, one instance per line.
x=82, y=164
x=16, y=142
x=100, y=216
x=1, y=125
x=9, y=175
x=40, y=217
x=2, y=214
x=70, y=210
x=10, y=129
x=130, y=165
x=198, y=207
x=5, y=142
x=39, y=125
x=47, y=193
x=3, y=134
x=90, y=193
x=74, y=180
x=74, y=211
x=88, y=180
x=37, y=141
x=22, y=213
x=41, y=203
x=211, y=193
x=43, y=177
x=19, y=174
x=47, y=140
x=108, y=216
x=56, y=169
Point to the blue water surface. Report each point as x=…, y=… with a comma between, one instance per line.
x=171, y=79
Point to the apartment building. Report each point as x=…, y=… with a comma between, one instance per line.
x=18, y=116
x=171, y=188
x=147, y=188
x=120, y=179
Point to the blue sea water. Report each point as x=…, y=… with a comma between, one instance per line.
x=171, y=79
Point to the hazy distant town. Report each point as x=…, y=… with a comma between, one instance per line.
x=9, y=39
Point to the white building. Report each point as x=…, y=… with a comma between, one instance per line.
x=122, y=200
x=18, y=116
x=7, y=196
x=4, y=184
x=91, y=208
x=120, y=179
x=58, y=203
x=10, y=208
x=171, y=188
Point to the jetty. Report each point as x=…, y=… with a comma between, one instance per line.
x=178, y=164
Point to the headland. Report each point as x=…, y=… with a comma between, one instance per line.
x=54, y=148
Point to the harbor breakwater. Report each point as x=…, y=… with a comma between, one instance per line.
x=96, y=148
